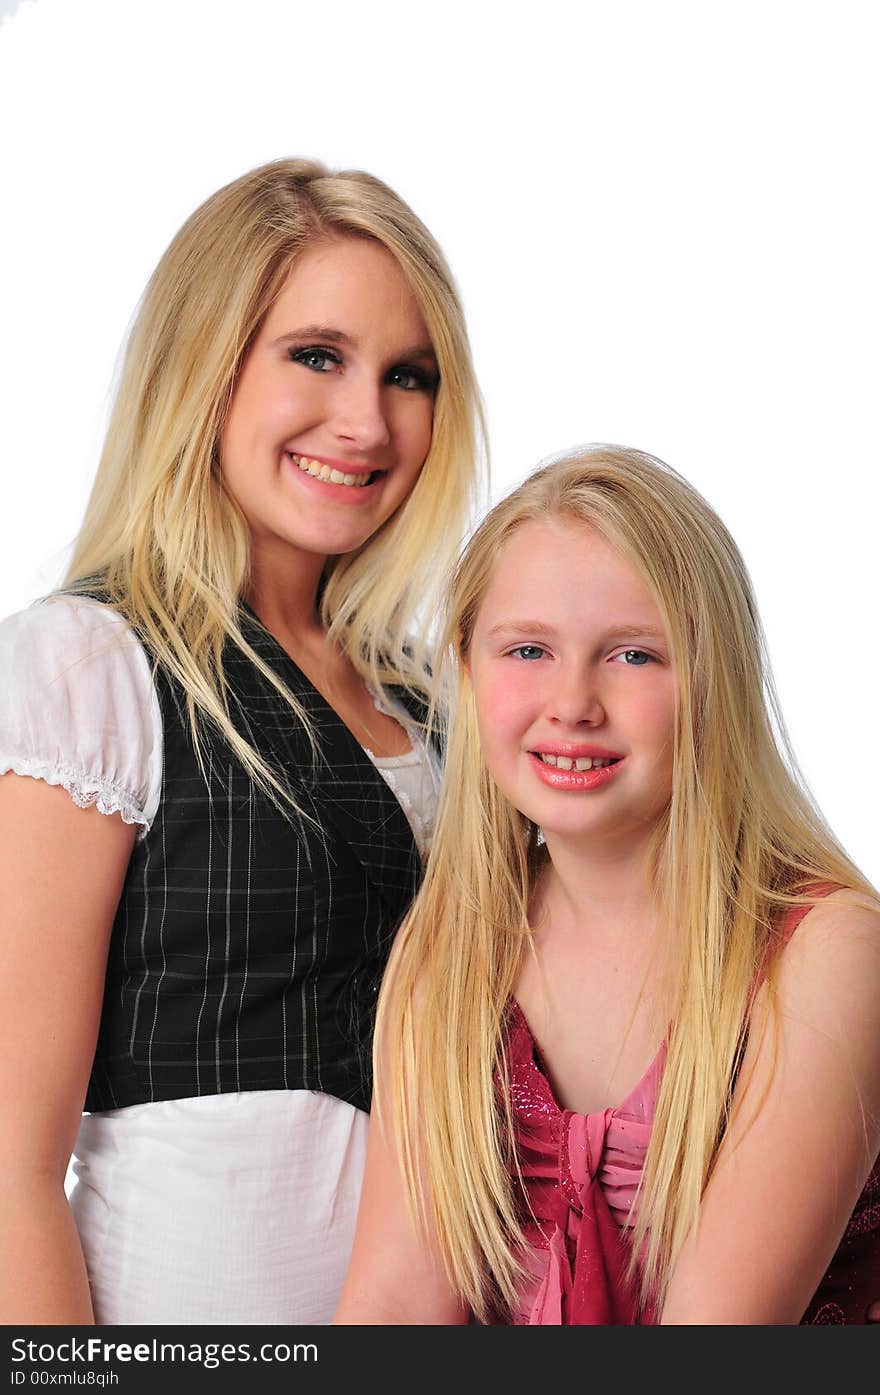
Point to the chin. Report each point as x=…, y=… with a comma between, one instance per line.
x=577, y=832
x=335, y=544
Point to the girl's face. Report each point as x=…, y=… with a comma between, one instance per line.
x=574, y=688
x=331, y=416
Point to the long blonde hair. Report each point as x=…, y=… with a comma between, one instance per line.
x=169, y=545
x=740, y=840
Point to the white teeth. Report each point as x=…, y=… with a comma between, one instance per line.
x=580, y=763
x=327, y=473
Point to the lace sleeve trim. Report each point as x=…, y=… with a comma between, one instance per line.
x=84, y=789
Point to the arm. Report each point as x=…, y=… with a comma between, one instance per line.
x=394, y=1277
x=805, y=1132
x=61, y=874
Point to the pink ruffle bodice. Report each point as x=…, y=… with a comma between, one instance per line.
x=581, y=1173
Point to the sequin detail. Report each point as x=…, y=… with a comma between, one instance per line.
x=866, y=1216
x=580, y=1173
x=829, y=1315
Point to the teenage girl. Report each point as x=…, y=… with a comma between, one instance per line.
x=218, y=791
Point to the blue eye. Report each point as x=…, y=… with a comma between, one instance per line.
x=635, y=658
x=527, y=652
x=318, y=360
x=412, y=379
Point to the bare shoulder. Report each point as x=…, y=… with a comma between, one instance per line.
x=845, y=908
x=826, y=989
x=842, y=929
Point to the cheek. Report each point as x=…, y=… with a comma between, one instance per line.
x=237, y=436
x=266, y=408
x=505, y=703
x=656, y=720
x=413, y=427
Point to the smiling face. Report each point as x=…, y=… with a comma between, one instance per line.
x=574, y=686
x=330, y=421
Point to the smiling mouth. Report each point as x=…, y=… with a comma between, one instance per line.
x=575, y=774
x=577, y=763
x=328, y=475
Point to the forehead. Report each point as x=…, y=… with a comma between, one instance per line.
x=564, y=572
x=351, y=279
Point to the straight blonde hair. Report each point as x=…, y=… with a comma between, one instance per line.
x=168, y=546
x=740, y=841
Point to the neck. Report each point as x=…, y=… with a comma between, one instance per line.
x=283, y=593
x=604, y=888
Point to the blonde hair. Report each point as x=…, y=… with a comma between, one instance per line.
x=740, y=840
x=167, y=542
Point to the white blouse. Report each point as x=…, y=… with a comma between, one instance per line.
x=282, y=1168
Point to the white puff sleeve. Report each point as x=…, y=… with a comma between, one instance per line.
x=78, y=707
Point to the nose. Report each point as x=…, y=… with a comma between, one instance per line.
x=361, y=417
x=574, y=699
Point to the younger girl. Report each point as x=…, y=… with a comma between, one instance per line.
x=627, y=1041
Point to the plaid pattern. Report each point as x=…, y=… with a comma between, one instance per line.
x=248, y=946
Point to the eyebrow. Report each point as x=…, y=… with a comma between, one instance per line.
x=636, y=632
x=325, y=334
x=539, y=627
x=532, y=627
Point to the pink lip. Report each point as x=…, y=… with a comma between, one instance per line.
x=576, y=750
x=353, y=496
x=574, y=780
x=345, y=467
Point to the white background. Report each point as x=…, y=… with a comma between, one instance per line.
x=662, y=218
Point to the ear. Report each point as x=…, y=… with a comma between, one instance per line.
x=464, y=659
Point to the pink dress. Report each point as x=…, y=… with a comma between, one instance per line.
x=580, y=1173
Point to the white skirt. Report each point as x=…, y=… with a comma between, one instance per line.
x=236, y=1208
